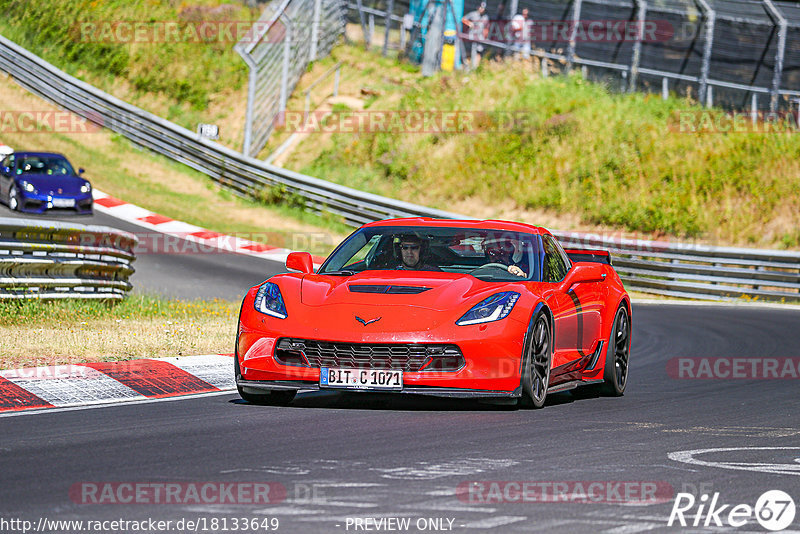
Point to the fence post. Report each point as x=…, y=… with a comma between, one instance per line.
x=710, y=16
x=287, y=53
x=363, y=23
x=432, y=53
x=576, y=15
x=252, y=79
x=315, y=30
x=388, y=24
x=777, y=73
x=664, y=88
x=754, y=108
x=641, y=11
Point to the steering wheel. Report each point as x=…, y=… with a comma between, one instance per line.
x=497, y=265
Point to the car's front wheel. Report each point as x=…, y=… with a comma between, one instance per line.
x=269, y=398
x=536, y=365
x=13, y=198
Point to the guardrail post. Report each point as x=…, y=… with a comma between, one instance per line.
x=641, y=11
x=664, y=88
x=710, y=16
x=573, y=34
x=754, y=108
x=777, y=73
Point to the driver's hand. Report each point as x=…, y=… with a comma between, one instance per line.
x=513, y=269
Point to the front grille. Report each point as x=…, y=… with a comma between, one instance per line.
x=409, y=357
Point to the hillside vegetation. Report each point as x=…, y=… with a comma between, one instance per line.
x=616, y=161
x=583, y=158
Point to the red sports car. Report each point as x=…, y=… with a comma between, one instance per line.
x=438, y=307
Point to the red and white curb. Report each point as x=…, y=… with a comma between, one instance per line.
x=84, y=384
x=119, y=209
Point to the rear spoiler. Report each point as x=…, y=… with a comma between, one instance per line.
x=596, y=256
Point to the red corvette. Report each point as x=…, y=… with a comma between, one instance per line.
x=438, y=307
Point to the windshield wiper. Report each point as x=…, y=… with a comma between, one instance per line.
x=341, y=273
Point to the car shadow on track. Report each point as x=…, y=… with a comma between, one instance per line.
x=349, y=400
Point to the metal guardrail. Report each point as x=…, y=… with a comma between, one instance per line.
x=670, y=269
x=54, y=260
x=698, y=271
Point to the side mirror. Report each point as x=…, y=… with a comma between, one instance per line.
x=300, y=261
x=81, y=171
x=583, y=273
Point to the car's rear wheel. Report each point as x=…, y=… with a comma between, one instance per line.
x=268, y=398
x=615, y=376
x=536, y=366
x=13, y=198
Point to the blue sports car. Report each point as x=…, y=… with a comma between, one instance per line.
x=34, y=182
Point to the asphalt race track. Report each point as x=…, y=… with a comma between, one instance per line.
x=186, y=276
x=343, y=457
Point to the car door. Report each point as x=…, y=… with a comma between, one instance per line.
x=576, y=310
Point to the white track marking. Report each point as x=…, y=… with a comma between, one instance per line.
x=108, y=405
x=772, y=468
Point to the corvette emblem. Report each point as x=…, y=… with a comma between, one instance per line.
x=365, y=323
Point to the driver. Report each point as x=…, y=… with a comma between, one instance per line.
x=501, y=250
x=411, y=254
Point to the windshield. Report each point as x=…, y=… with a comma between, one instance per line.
x=50, y=165
x=490, y=255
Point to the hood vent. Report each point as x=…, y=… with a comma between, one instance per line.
x=397, y=290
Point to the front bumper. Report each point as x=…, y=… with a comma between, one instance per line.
x=255, y=387
x=41, y=203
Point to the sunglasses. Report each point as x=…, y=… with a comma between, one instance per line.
x=409, y=247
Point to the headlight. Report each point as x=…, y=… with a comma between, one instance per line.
x=28, y=187
x=85, y=188
x=269, y=301
x=496, y=307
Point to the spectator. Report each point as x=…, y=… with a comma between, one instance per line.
x=521, y=29
x=477, y=29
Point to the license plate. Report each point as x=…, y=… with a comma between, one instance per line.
x=388, y=379
x=63, y=202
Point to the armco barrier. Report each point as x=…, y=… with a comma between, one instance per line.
x=698, y=271
x=54, y=260
x=671, y=269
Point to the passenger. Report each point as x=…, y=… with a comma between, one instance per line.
x=501, y=250
x=412, y=254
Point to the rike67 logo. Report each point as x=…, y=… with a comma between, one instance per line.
x=774, y=510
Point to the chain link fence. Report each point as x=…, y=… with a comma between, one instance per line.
x=735, y=54
x=288, y=35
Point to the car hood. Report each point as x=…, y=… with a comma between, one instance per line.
x=436, y=291
x=49, y=185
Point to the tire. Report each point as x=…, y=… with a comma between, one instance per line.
x=537, y=361
x=615, y=374
x=270, y=398
x=13, y=198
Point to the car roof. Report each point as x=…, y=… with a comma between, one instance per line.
x=491, y=224
x=48, y=154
